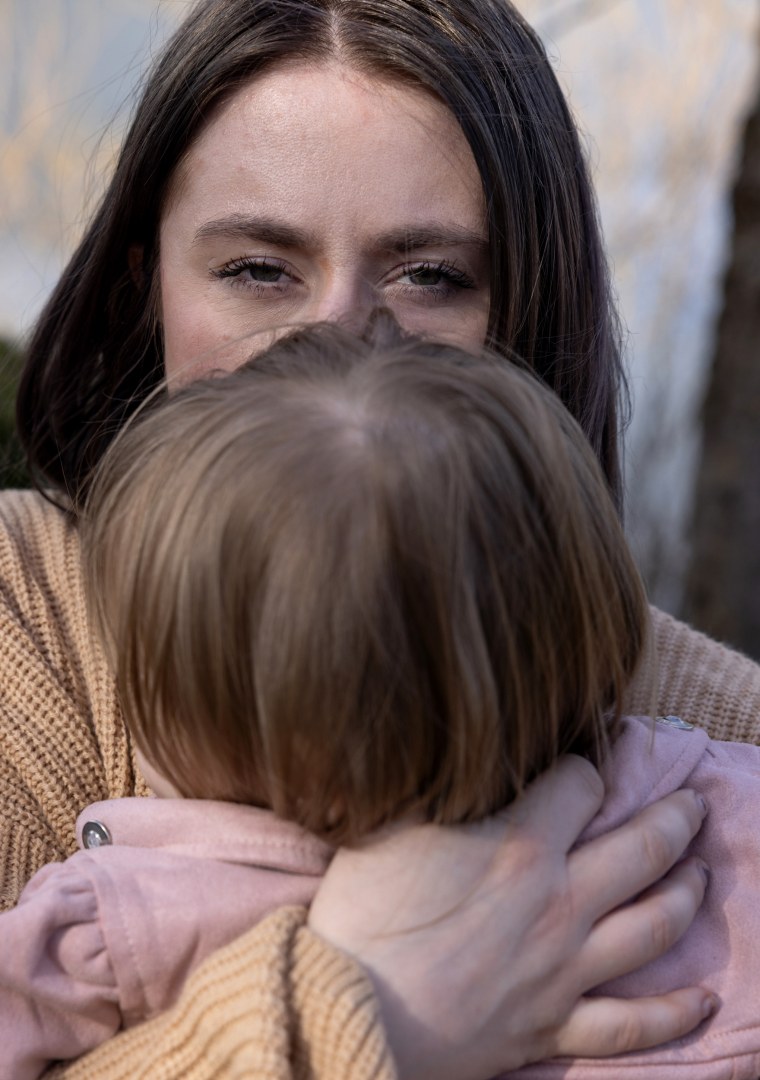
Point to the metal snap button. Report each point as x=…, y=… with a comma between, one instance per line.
x=675, y=722
x=95, y=835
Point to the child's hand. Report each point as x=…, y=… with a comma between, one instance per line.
x=482, y=940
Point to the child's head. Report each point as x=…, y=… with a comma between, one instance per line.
x=359, y=579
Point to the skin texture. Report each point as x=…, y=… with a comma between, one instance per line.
x=317, y=194
x=158, y=784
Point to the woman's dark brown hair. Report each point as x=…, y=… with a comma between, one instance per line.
x=360, y=579
x=97, y=352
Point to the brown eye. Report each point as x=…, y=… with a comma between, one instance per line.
x=264, y=271
x=257, y=273
x=426, y=276
x=435, y=275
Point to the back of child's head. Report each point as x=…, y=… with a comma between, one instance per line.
x=360, y=579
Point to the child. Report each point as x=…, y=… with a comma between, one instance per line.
x=378, y=579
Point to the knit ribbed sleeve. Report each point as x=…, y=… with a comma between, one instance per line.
x=698, y=679
x=276, y=1004
x=63, y=744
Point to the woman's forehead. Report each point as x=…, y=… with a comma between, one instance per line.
x=325, y=148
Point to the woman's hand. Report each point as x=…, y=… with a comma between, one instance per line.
x=482, y=940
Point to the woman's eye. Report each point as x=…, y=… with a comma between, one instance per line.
x=432, y=275
x=265, y=272
x=435, y=277
x=255, y=272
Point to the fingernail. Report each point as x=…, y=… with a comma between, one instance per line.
x=710, y=1006
x=703, y=804
x=704, y=869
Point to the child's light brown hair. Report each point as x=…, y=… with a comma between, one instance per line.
x=362, y=578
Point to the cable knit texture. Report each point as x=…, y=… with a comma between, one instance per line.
x=277, y=1002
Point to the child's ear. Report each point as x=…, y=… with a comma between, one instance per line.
x=335, y=812
x=135, y=264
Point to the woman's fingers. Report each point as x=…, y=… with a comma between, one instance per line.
x=406, y=877
x=603, y=1027
x=633, y=935
x=559, y=804
x=613, y=868
x=482, y=940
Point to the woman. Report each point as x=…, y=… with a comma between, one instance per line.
x=288, y=161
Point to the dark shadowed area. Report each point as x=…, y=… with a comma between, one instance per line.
x=723, y=586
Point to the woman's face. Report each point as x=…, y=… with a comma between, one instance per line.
x=317, y=193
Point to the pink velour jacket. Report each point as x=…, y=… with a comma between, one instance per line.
x=107, y=938
x=721, y=949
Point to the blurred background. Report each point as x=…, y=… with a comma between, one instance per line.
x=667, y=93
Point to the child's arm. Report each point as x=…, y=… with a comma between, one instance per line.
x=58, y=996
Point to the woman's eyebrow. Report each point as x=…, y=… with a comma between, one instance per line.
x=252, y=227
x=281, y=234
x=403, y=241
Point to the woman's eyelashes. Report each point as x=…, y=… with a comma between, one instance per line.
x=431, y=280
x=262, y=275
x=424, y=281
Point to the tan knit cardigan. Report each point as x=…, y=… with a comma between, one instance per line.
x=278, y=1002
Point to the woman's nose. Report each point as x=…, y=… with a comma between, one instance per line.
x=345, y=299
